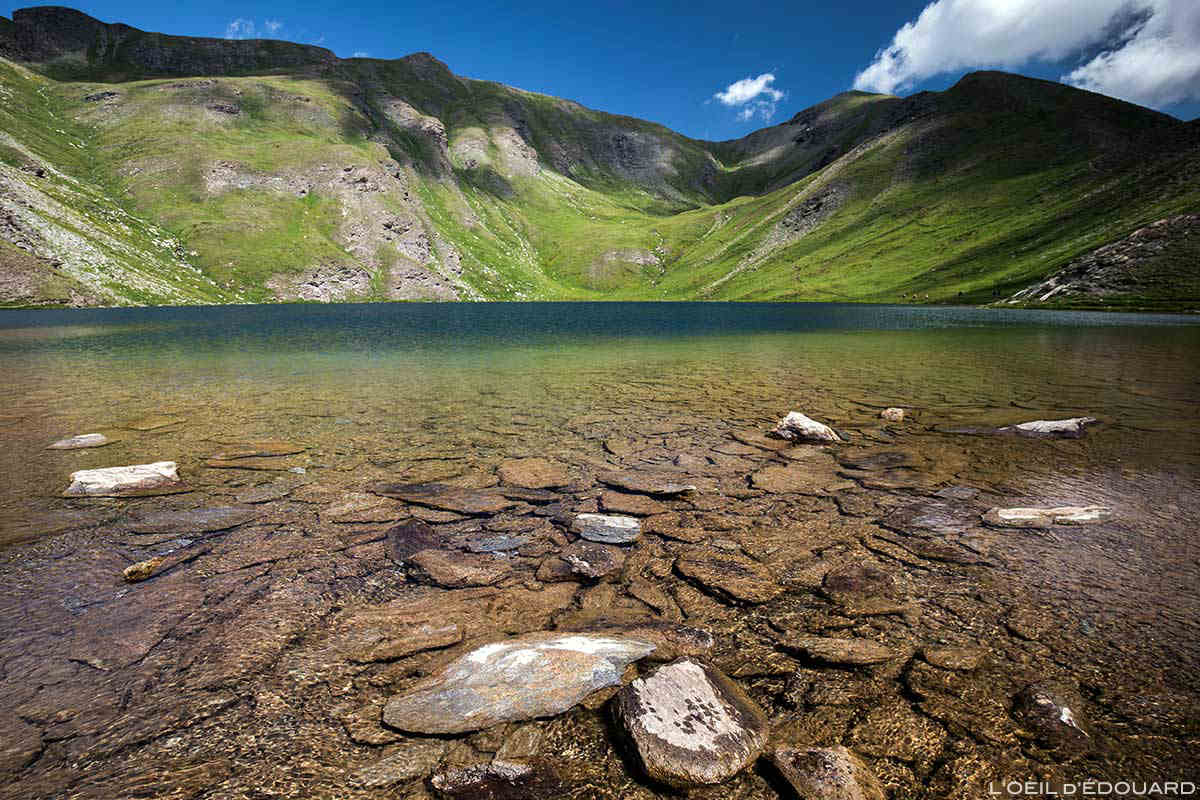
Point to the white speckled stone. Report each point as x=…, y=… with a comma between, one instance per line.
x=691, y=725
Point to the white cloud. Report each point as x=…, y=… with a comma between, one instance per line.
x=741, y=92
x=1146, y=51
x=753, y=96
x=242, y=28
x=361, y=54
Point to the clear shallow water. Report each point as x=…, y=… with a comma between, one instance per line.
x=433, y=393
x=379, y=388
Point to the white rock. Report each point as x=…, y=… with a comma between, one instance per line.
x=1045, y=517
x=122, y=480
x=796, y=427
x=607, y=528
x=531, y=676
x=1061, y=428
x=81, y=441
x=691, y=725
x=892, y=414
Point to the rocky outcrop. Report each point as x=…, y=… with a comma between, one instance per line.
x=1150, y=262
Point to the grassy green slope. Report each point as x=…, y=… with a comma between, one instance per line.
x=400, y=179
x=63, y=212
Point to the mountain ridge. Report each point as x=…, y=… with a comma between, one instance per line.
x=292, y=174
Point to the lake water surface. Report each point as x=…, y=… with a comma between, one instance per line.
x=432, y=392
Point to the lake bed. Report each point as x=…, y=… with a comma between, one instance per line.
x=239, y=664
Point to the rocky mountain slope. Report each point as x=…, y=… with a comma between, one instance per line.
x=144, y=168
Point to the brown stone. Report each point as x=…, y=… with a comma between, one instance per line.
x=729, y=574
x=635, y=504
x=534, y=473
x=457, y=570
x=827, y=773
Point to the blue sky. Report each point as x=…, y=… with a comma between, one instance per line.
x=717, y=70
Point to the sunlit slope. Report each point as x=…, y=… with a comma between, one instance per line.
x=266, y=171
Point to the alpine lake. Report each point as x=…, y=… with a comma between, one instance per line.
x=369, y=492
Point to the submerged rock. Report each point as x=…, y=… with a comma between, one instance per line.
x=645, y=483
x=729, y=574
x=161, y=477
x=195, y=520
x=671, y=640
x=827, y=773
x=1045, y=517
x=534, y=473
x=410, y=537
x=797, y=427
x=500, y=779
x=80, y=442
x=142, y=569
x=592, y=559
x=1073, y=428
x=413, y=759
x=847, y=652
x=445, y=497
x=691, y=725
x=961, y=659
x=607, y=529
x=636, y=504
x=456, y=570
x=1053, y=714
x=536, y=675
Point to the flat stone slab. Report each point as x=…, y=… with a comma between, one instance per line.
x=959, y=659
x=671, y=640
x=500, y=779
x=196, y=520
x=160, y=477
x=366, y=635
x=415, y=758
x=154, y=422
x=691, y=725
x=797, y=427
x=849, y=652
x=533, y=473
x=607, y=529
x=593, y=559
x=827, y=773
x=729, y=574
x=645, y=483
x=269, y=448
x=456, y=570
x=261, y=464
x=1045, y=517
x=639, y=505
x=1073, y=428
x=448, y=498
x=819, y=479
x=531, y=676
x=80, y=442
